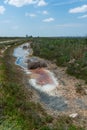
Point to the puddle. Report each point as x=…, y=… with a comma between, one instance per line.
x=21, y=55
x=40, y=79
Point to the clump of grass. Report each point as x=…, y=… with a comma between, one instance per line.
x=66, y=123
x=79, y=89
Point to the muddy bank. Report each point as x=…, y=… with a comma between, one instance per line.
x=41, y=79
x=62, y=98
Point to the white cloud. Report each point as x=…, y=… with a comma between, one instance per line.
x=20, y=3
x=80, y=9
x=45, y=12
x=6, y=21
x=2, y=9
x=15, y=27
x=63, y=3
x=67, y=3
x=83, y=16
x=41, y=3
x=70, y=25
x=30, y=15
x=48, y=20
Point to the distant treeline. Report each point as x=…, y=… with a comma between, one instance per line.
x=10, y=38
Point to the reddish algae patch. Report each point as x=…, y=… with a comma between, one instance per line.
x=43, y=77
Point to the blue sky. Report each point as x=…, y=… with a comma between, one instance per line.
x=43, y=17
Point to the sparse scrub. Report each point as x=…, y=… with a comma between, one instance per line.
x=16, y=110
x=66, y=123
x=79, y=89
x=63, y=51
x=18, y=113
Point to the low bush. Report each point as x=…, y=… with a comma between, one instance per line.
x=63, y=51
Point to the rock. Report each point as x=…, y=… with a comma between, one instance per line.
x=74, y=115
x=72, y=61
x=85, y=91
x=36, y=64
x=25, y=47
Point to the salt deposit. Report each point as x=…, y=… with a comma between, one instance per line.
x=20, y=52
x=21, y=55
x=41, y=78
x=44, y=85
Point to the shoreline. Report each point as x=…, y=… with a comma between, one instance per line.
x=67, y=89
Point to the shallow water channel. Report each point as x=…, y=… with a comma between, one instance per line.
x=41, y=79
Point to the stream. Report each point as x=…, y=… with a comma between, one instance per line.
x=41, y=79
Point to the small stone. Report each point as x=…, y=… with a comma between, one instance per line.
x=85, y=91
x=74, y=115
x=72, y=61
x=36, y=64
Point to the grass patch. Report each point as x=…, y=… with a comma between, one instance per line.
x=68, y=52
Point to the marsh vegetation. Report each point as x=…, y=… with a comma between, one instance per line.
x=67, y=52
x=17, y=111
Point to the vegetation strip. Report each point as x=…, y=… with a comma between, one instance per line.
x=67, y=52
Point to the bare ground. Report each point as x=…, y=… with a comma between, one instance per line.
x=76, y=100
x=72, y=102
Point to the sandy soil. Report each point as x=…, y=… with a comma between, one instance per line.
x=65, y=99
x=77, y=102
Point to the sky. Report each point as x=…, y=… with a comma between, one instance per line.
x=43, y=18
